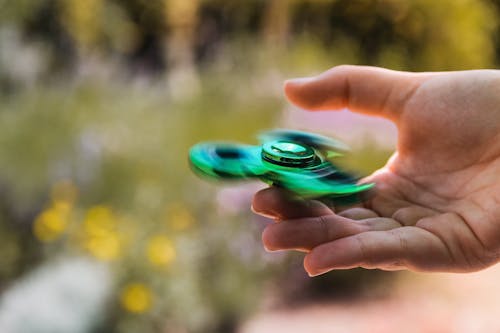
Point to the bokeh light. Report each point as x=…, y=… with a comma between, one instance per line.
x=101, y=237
x=136, y=297
x=160, y=251
x=51, y=222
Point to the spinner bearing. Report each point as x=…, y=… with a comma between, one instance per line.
x=300, y=162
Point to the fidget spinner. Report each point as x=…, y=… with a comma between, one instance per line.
x=298, y=161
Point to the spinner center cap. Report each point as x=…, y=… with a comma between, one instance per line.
x=289, y=154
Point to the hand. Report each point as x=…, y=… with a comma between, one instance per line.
x=437, y=204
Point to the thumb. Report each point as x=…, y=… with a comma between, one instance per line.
x=363, y=89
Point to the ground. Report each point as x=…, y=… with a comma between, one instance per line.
x=444, y=303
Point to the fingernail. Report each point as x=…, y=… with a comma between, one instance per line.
x=261, y=213
x=312, y=274
x=316, y=273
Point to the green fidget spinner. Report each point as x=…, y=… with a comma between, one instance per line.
x=298, y=161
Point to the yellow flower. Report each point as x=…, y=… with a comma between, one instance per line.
x=99, y=219
x=51, y=223
x=104, y=247
x=160, y=251
x=136, y=297
x=101, y=237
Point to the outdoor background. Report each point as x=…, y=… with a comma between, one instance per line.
x=103, y=228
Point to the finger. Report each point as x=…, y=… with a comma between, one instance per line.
x=401, y=248
x=362, y=89
x=307, y=233
x=358, y=213
x=280, y=204
x=412, y=214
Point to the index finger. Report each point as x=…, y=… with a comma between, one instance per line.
x=277, y=203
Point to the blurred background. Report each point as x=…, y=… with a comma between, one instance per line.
x=103, y=228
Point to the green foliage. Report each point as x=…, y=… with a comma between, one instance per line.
x=126, y=148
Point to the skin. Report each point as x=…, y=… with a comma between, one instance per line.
x=437, y=204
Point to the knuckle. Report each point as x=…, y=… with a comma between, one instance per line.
x=325, y=230
x=342, y=69
x=364, y=252
x=401, y=214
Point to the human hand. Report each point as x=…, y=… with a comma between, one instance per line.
x=437, y=203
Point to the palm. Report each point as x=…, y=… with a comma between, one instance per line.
x=436, y=206
x=444, y=174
